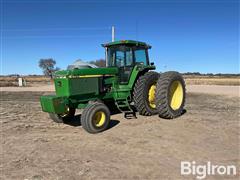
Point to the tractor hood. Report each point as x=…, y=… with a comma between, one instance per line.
x=86, y=72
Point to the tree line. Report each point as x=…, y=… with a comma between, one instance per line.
x=211, y=74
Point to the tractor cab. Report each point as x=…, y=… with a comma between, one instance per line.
x=126, y=55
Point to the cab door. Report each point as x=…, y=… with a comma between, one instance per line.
x=124, y=61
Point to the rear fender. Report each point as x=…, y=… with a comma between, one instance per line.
x=138, y=71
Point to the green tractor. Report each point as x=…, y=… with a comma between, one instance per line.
x=127, y=82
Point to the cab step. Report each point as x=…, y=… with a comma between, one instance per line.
x=130, y=115
x=124, y=106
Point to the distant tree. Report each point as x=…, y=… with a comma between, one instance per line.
x=14, y=75
x=47, y=65
x=99, y=63
x=209, y=74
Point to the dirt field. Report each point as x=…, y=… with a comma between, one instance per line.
x=212, y=80
x=231, y=91
x=33, y=147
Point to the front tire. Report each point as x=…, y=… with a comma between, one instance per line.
x=95, y=117
x=170, y=95
x=61, y=118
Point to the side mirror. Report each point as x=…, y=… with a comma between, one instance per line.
x=152, y=63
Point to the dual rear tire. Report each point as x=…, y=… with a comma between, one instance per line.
x=144, y=93
x=160, y=94
x=170, y=95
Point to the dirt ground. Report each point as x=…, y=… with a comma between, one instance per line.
x=33, y=147
x=231, y=91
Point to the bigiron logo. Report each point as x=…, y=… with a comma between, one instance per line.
x=201, y=171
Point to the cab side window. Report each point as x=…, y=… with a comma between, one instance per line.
x=140, y=56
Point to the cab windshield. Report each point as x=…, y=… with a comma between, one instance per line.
x=120, y=56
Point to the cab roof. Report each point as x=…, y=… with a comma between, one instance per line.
x=127, y=42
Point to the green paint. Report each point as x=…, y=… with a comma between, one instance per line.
x=91, y=71
x=75, y=88
x=127, y=42
x=53, y=104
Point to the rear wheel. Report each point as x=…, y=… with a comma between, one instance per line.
x=144, y=93
x=61, y=118
x=170, y=95
x=95, y=117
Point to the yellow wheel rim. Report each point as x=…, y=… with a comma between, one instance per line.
x=176, y=95
x=99, y=118
x=151, y=96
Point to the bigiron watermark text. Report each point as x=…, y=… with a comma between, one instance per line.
x=201, y=171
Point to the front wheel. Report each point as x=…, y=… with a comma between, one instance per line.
x=170, y=95
x=61, y=118
x=95, y=117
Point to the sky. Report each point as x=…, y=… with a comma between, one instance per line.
x=186, y=36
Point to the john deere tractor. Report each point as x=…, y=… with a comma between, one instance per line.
x=128, y=81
